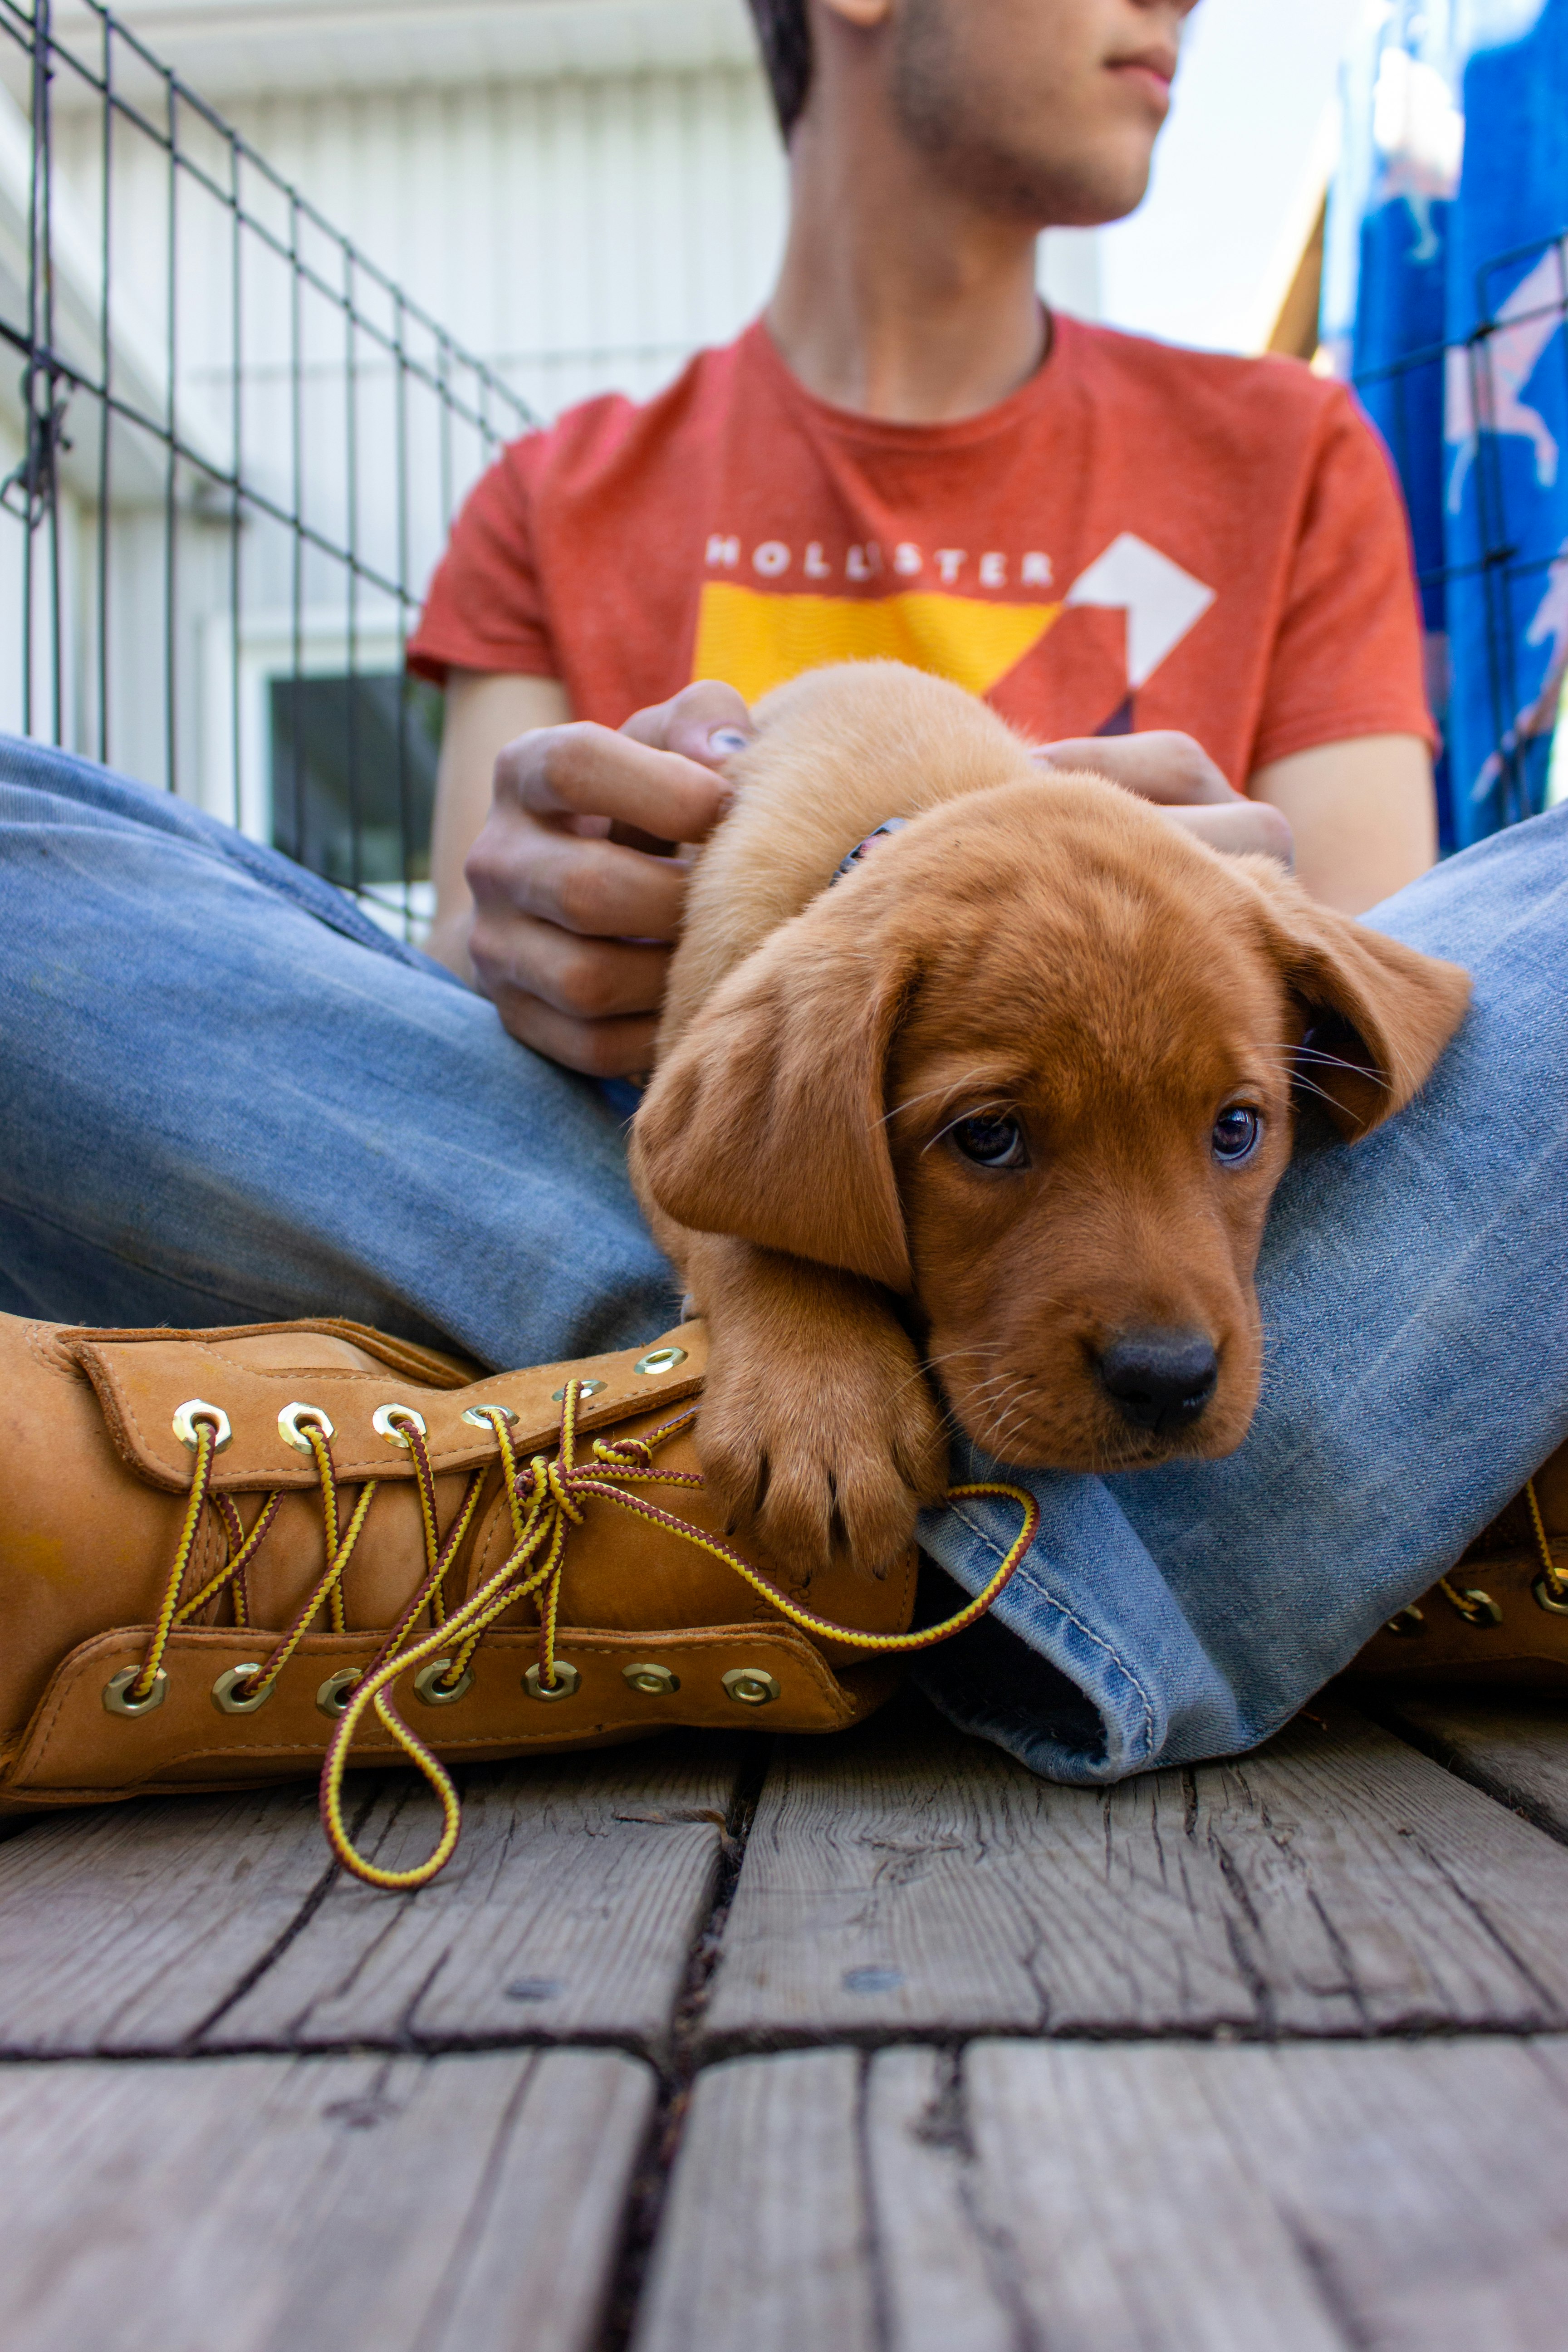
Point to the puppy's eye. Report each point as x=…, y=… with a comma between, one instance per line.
x=990, y=1142
x=1237, y=1133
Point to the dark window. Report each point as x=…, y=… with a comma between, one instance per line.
x=353, y=775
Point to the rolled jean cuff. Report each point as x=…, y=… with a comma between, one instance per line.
x=1086, y=1672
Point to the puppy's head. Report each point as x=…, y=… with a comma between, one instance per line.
x=1031, y=1069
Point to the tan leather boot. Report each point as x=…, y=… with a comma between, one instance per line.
x=1501, y=1617
x=231, y=1555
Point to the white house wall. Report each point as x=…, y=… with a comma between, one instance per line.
x=574, y=233
x=577, y=232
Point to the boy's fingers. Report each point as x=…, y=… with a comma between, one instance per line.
x=1163, y=766
x=597, y=889
x=707, y=722
x=583, y=770
x=1241, y=827
x=583, y=980
x=614, y=1048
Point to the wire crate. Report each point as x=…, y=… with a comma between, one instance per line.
x=231, y=448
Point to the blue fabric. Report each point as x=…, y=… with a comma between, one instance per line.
x=1447, y=217
x=229, y=1098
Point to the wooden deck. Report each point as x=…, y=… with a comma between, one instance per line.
x=875, y=2043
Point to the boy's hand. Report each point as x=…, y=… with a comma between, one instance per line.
x=1177, y=774
x=576, y=877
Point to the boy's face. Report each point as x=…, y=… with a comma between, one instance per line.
x=1044, y=111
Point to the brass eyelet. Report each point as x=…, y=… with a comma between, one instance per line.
x=332, y=1699
x=382, y=1421
x=289, y=1431
x=1555, y=1601
x=660, y=1360
x=567, y=1681
x=430, y=1683
x=226, y=1693
x=585, y=1388
x=1407, y=1622
x=751, y=1686
x=1476, y=1607
x=115, y=1701
x=477, y=1416
x=652, y=1679
x=197, y=1409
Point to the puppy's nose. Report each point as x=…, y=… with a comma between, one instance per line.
x=1158, y=1380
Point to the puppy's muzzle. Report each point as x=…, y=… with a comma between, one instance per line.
x=1160, y=1381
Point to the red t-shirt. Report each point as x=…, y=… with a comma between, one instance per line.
x=1139, y=536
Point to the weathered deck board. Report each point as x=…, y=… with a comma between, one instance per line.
x=1065, y=2251
x=1397, y=2195
x=1515, y=1749
x=765, y=2242
x=463, y=2204
x=569, y=1909
x=907, y=1880
x=1146, y=2197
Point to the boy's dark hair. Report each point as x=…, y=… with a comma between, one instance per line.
x=785, y=38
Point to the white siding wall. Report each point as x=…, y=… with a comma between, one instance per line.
x=577, y=232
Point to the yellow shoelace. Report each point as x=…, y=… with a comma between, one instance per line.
x=545, y=1497
x=1551, y=1580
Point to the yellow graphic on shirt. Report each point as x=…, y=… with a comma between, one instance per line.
x=754, y=642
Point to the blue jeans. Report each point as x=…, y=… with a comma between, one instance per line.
x=229, y=1098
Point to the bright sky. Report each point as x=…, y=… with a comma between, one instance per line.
x=1204, y=256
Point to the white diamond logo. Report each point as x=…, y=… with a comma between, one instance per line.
x=1161, y=601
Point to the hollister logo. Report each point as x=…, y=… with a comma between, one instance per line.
x=757, y=636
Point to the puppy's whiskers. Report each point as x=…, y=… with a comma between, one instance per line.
x=932, y=1094
x=928, y=1364
x=1338, y=1062
x=1006, y=1414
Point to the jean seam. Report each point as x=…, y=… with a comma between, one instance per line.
x=1146, y=1745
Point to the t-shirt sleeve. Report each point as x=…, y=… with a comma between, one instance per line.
x=484, y=609
x=1348, y=657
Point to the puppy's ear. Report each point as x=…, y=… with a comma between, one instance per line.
x=767, y=1118
x=1383, y=1012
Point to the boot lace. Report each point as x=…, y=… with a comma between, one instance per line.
x=545, y=1496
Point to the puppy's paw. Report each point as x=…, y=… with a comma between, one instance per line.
x=826, y=1448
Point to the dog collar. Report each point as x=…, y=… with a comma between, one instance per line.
x=847, y=864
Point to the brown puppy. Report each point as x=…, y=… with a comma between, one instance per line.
x=994, y=1121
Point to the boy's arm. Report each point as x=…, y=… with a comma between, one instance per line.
x=1363, y=815
x=484, y=713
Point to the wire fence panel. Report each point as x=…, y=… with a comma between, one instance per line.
x=232, y=448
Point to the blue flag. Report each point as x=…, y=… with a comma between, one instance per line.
x=1444, y=300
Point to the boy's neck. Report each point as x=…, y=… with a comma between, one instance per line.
x=897, y=297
